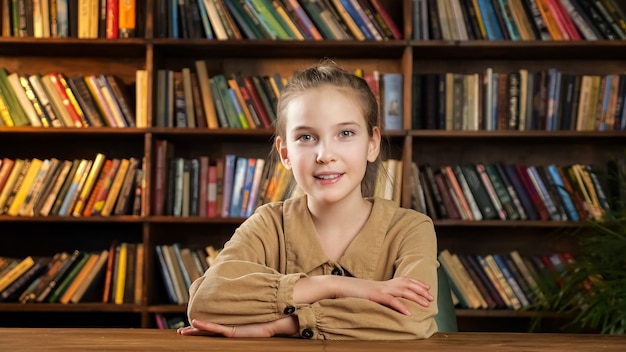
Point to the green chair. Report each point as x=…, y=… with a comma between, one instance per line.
x=446, y=318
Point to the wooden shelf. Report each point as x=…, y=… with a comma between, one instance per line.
x=392, y=49
x=193, y=220
x=123, y=57
x=64, y=131
x=80, y=307
x=503, y=313
x=73, y=47
x=72, y=219
x=518, y=50
x=509, y=224
x=530, y=135
x=170, y=308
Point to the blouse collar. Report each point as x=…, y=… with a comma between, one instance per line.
x=361, y=256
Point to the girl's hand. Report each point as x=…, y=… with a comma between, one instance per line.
x=284, y=326
x=388, y=292
x=205, y=328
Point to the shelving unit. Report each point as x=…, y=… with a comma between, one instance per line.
x=22, y=236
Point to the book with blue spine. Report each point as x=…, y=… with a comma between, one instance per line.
x=83, y=168
x=247, y=186
x=543, y=193
x=240, y=15
x=507, y=13
x=167, y=280
x=393, y=101
x=565, y=196
x=491, y=22
x=239, y=176
x=173, y=22
x=510, y=279
x=358, y=20
x=229, y=173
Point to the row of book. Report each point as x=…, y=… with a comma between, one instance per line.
x=113, y=275
x=548, y=100
x=191, y=98
x=233, y=185
x=109, y=19
x=55, y=100
x=79, y=187
x=518, y=20
x=503, y=191
x=502, y=281
x=227, y=186
x=181, y=266
x=282, y=20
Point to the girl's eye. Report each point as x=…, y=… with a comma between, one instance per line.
x=346, y=133
x=305, y=138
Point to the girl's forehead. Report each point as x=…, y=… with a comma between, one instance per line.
x=326, y=96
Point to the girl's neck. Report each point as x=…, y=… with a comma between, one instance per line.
x=338, y=224
x=348, y=208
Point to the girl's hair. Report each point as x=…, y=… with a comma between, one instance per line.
x=327, y=73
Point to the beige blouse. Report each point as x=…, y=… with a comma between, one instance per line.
x=252, y=279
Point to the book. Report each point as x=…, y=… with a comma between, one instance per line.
x=12, y=292
x=165, y=275
x=207, y=94
x=17, y=271
x=93, y=278
x=391, y=90
x=41, y=187
x=25, y=186
x=34, y=188
x=92, y=258
x=51, y=283
x=90, y=181
x=31, y=293
x=108, y=273
x=66, y=280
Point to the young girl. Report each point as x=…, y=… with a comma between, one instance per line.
x=330, y=264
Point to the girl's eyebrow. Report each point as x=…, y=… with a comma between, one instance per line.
x=301, y=128
x=304, y=128
x=342, y=124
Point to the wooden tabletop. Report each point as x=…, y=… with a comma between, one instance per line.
x=23, y=339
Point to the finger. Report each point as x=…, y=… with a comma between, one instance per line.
x=395, y=304
x=420, y=283
x=211, y=327
x=421, y=290
x=191, y=331
x=417, y=294
x=417, y=298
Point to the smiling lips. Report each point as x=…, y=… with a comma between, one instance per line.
x=328, y=178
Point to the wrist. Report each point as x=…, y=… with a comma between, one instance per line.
x=311, y=289
x=285, y=326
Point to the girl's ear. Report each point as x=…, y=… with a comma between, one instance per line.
x=374, y=145
x=282, y=152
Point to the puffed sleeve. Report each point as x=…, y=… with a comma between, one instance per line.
x=409, y=250
x=244, y=285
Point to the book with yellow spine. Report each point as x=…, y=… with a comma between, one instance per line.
x=16, y=272
x=20, y=196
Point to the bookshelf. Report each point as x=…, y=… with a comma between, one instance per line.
x=22, y=236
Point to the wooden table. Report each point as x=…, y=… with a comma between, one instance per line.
x=35, y=339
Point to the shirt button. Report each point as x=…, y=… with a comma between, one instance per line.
x=289, y=310
x=307, y=333
x=336, y=271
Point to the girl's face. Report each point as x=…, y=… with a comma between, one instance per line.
x=327, y=145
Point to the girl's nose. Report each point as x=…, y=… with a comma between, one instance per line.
x=325, y=153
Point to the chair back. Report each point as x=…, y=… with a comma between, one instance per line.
x=446, y=318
